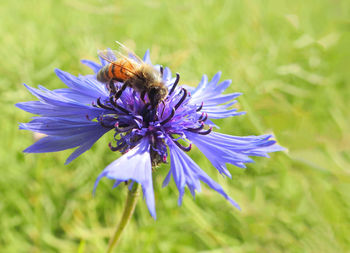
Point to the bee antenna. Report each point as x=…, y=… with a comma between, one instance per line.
x=161, y=70
x=175, y=83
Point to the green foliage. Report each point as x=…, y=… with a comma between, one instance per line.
x=291, y=61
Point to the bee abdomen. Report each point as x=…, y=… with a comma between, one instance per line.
x=104, y=74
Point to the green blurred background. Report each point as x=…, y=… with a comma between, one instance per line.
x=291, y=61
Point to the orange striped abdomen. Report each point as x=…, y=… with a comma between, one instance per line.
x=120, y=70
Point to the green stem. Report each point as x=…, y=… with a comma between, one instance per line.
x=128, y=211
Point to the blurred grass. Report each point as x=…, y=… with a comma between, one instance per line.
x=291, y=61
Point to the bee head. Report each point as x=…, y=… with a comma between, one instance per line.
x=157, y=94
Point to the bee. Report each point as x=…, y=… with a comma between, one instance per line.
x=133, y=72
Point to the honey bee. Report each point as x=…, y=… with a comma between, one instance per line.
x=124, y=66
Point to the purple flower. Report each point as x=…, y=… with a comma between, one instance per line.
x=77, y=116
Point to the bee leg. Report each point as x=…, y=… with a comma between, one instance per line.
x=143, y=94
x=111, y=86
x=148, y=106
x=120, y=91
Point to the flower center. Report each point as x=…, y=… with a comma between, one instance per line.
x=132, y=117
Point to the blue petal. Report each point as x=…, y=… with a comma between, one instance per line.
x=55, y=104
x=147, y=58
x=166, y=74
x=134, y=165
x=85, y=146
x=221, y=148
x=64, y=137
x=73, y=95
x=50, y=97
x=36, y=107
x=53, y=144
x=86, y=86
x=93, y=65
x=220, y=112
x=68, y=111
x=221, y=99
x=210, y=94
x=64, y=127
x=186, y=172
x=201, y=86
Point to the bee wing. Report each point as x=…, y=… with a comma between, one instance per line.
x=126, y=52
x=108, y=55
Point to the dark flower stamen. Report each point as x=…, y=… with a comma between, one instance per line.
x=200, y=107
x=186, y=149
x=196, y=129
x=206, y=132
x=182, y=99
x=103, y=105
x=113, y=102
x=169, y=118
x=117, y=148
x=122, y=109
x=104, y=125
x=122, y=129
x=203, y=117
x=175, y=84
x=163, y=103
